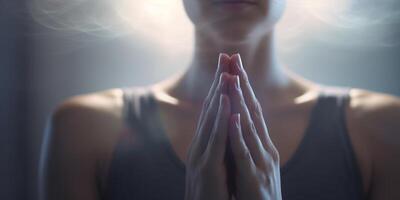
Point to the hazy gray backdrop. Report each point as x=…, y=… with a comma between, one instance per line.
x=62, y=64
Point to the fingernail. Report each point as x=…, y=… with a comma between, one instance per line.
x=221, y=55
x=239, y=61
x=219, y=61
x=237, y=121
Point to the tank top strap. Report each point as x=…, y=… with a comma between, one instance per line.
x=325, y=118
x=331, y=115
x=141, y=114
x=332, y=105
x=326, y=152
x=331, y=134
x=141, y=166
x=338, y=99
x=328, y=124
x=136, y=110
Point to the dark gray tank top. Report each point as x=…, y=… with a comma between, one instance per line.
x=144, y=165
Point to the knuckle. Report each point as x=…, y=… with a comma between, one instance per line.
x=257, y=108
x=268, y=179
x=257, y=115
x=253, y=106
x=273, y=153
x=257, y=104
x=264, y=178
x=242, y=102
x=247, y=82
x=253, y=128
x=244, y=155
x=271, y=160
x=267, y=164
x=245, y=77
x=206, y=103
x=275, y=156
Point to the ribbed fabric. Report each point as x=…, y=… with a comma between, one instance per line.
x=144, y=165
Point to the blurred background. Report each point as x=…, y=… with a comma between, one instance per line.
x=51, y=50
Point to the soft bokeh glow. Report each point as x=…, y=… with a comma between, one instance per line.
x=165, y=24
x=158, y=20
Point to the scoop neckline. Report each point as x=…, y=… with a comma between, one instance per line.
x=159, y=127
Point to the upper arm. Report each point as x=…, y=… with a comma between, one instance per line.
x=76, y=139
x=377, y=119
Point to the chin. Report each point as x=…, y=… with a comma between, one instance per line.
x=236, y=32
x=238, y=27
x=234, y=22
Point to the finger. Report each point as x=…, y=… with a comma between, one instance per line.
x=202, y=136
x=217, y=143
x=223, y=66
x=241, y=154
x=249, y=132
x=252, y=103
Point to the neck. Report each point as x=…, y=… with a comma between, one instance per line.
x=259, y=60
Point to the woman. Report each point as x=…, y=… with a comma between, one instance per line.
x=163, y=142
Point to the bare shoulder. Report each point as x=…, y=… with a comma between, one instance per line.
x=78, y=144
x=89, y=114
x=90, y=122
x=377, y=114
x=373, y=124
x=107, y=102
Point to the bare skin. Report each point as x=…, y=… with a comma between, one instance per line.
x=84, y=129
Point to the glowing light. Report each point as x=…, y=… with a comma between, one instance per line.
x=309, y=15
x=163, y=22
x=166, y=23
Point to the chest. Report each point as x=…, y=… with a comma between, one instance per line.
x=286, y=130
x=306, y=174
